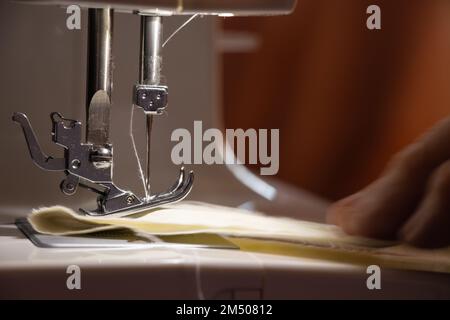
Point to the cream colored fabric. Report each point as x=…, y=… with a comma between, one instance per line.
x=186, y=218
x=251, y=231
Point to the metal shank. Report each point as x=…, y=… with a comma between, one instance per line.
x=99, y=75
x=150, y=57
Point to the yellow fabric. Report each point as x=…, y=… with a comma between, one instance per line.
x=394, y=257
x=251, y=232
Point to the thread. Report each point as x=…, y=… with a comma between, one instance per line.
x=133, y=143
x=180, y=28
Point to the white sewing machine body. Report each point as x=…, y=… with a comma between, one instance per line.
x=43, y=67
x=173, y=272
x=186, y=7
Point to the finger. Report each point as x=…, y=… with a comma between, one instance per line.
x=435, y=143
x=429, y=226
x=337, y=211
x=379, y=210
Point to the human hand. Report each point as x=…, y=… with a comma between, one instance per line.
x=410, y=201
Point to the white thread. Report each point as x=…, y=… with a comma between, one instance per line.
x=260, y=264
x=179, y=28
x=141, y=172
x=198, y=277
x=191, y=255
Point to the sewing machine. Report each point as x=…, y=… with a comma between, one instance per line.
x=44, y=74
x=89, y=164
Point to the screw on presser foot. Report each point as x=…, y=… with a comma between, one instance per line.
x=81, y=170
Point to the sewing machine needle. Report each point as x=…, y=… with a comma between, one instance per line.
x=149, y=124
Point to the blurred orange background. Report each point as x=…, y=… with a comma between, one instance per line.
x=345, y=98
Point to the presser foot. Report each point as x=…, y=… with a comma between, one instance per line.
x=176, y=193
x=90, y=167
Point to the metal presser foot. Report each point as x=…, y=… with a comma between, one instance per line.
x=92, y=168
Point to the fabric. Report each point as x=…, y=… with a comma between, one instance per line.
x=250, y=231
